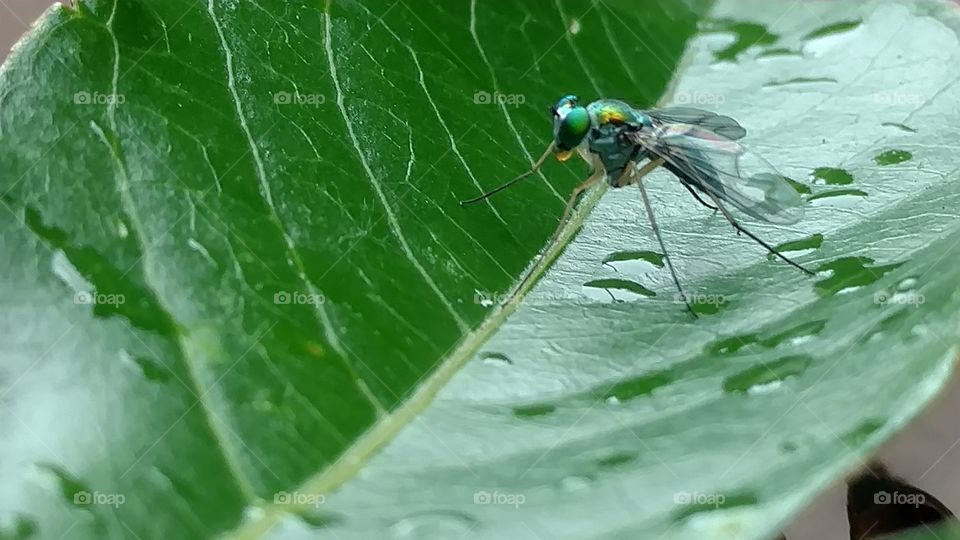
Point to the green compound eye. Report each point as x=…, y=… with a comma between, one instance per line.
x=573, y=125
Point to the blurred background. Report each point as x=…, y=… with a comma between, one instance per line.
x=15, y=18
x=926, y=454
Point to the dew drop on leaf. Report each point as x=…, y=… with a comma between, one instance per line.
x=433, y=525
x=575, y=483
x=496, y=359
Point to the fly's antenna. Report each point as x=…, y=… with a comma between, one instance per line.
x=536, y=166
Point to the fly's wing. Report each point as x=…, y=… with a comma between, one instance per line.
x=723, y=168
x=723, y=126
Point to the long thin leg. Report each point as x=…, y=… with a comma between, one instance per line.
x=631, y=175
x=656, y=232
x=739, y=228
x=697, y=196
x=592, y=180
x=536, y=166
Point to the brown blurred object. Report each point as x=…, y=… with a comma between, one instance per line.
x=16, y=17
x=879, y=504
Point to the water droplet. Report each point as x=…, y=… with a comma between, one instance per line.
x=198, y=247
x=733, y=344
x=747, y=34
x=575, y=483
x=72, y=489
x=319, y=519
x=123, y=289
x=767, y=388
x=449, y=524
x=798, y=334
x=777, y=52
x=800, y=80
x=834, y=28
x=788, y=447
x=152, y=369
x=616, y=459
x=496, y=359
x=832, y=176
x=907, y=284
x=17, y=528
x=68, y=274
x=848, y=273
x=862, y=432
x=799, y=187
x=634, y=262
x=892, y=157
x=806, y=244
x=122, y=230
x=766, y=373
x=836, y=197
x=704, y=304
x=575, y=27
x=634, y=387
x=253, y=513
x=901, y=127
x=828, y=37
x=795, y=335
x=892, y=323
x=531, y=411
x=716, y=502
x=629, y=290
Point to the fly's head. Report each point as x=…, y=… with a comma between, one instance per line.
x=571, y=123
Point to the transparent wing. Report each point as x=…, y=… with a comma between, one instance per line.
x=722, y=167
x=721, y=125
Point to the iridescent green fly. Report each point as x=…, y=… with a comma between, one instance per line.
x=623, y=144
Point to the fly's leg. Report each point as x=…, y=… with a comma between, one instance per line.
x=663, y=248
x=635, y=176
x=697, y=196
x=591, y=181
x=740, y=228
x=536, y=166
x=631, y=176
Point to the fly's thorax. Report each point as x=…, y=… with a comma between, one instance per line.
x=613, y=149
x=616, y=112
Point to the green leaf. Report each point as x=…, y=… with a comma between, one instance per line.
x=233, y=244
x=624, y=418
x=188, y=181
